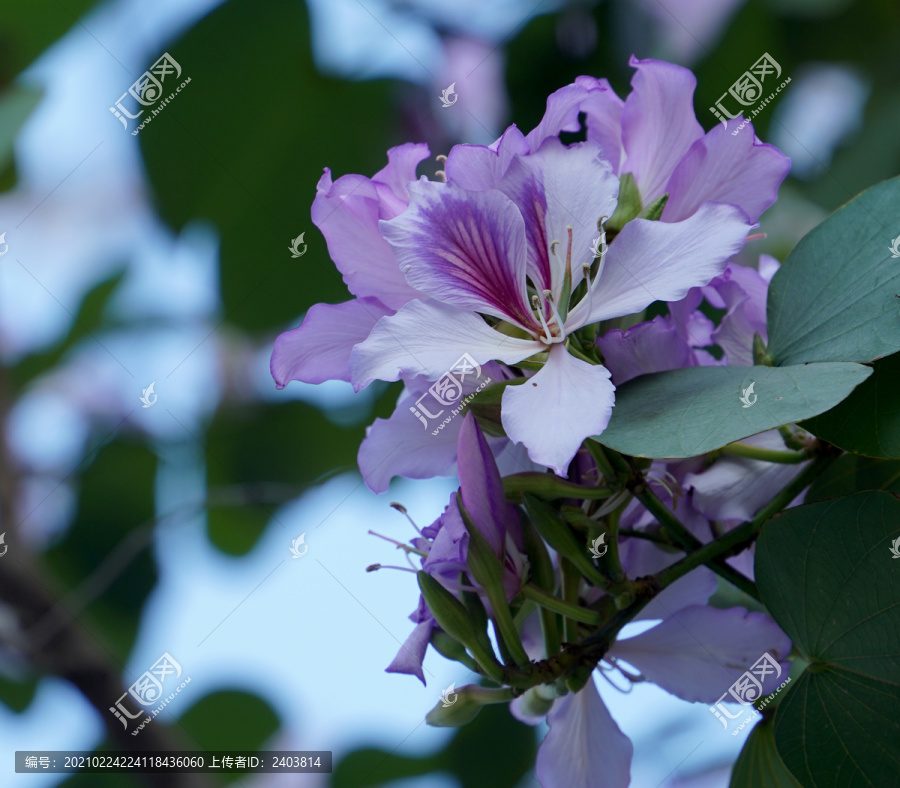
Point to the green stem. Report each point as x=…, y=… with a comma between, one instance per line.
x=573, y=348
x=549, y=487
x=613, y=562
x=601, y=460
x=571, y=579
x=767, y=455
x=575, y=612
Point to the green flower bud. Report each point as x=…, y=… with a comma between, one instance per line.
x=537, y=701
x=457, y=707
x=455, y=620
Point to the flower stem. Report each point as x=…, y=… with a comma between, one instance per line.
x=766, y=455
x=575, y=612
x=549, y=487
x=571, y=579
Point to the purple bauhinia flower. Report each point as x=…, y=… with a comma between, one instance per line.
x=443, y=544
x=498, y=265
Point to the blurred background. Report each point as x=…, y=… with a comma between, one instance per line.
x=163, y=258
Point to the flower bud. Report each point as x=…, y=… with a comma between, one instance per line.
x=452, y=712
x=537, y=701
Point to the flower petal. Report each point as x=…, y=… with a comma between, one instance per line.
x=464, y=248
x=481, y=488
x=478, y=167
x=658, y=123
x=647, y=347
x=737, y=487
x=556, y=409
x=411, y=654
x=347, y=213
x=319, y=348
x=430, y=339
x=555, y=188
x=738, y=170
x=659, y=261
x=584, y=747
x=401, y=168
x=401, y=446
x=699, y=651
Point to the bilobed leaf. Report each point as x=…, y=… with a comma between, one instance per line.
x=834, y=299
x=826, y=574
x=759, y=765
x=685, y=412
x=850, y=474
x=868, y=421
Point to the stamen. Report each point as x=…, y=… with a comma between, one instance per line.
x=536, y=304
x=569, y=252
x=400, y=545
x=556, y=316
x=441, y=158
x=442, y=175
x=402, y=509
x=586, y=272
x=376, y=567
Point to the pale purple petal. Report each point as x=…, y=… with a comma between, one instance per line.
x=738, y=487
x=647, y=347
x=556, y=409
x=555, y=188
x=478, y=167
x=418, y=447
x=319, y=349
x=402, y=446
x=347, y=213
x=657, y=261
x=411, y=654
x=699, y=652
x=584, y=747
x=482, y=489
x=743, y=292
x=563, y=107
x=429, y=339
x=738, y=170
x=603, y=118
x=463, y=248
x=401, y=168
x=658, y=123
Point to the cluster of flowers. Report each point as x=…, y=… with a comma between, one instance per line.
x=521, y=254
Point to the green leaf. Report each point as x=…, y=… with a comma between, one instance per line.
x=834, y=299
x=685, y=412
x=759, y=765
x=826, y=574
x=493, y=751
x=850, y=474
x=16, y=104
x=244, y=145
x=17, y=694
x=868, y=421
x=105, y=553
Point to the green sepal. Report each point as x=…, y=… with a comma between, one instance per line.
x=653, y=211
x=450, y=648
x=629, y=205
x=761, y=358
x=559, y=536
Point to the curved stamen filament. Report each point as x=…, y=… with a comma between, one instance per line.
x=536, y=304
